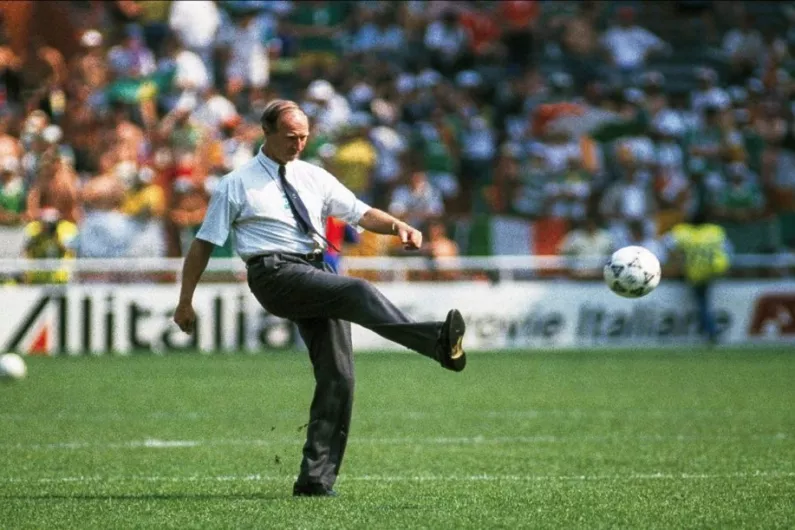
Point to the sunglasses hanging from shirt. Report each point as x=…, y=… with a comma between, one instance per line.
x=299, y=209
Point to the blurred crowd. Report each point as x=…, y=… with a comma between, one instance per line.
x=559, y=113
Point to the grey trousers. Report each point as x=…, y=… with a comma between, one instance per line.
x=323, y=304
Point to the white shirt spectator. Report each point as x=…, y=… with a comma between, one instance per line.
x=741, y=44
x=372, y=38
x=625, y=201
x=325, y=107
x=583, y=243
x=190, y=74
x=588, y=250
x=446, y=40
x=416, y=204
x=215, y=110
x=248, y=59
x=478, y=141
x=557, y=156
x=390, y=145
x=629, y=46
x=250, y=203
x=132, y=62
x=714, y=96
x=195, y=22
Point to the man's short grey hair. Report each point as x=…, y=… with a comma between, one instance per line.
x=274, y=109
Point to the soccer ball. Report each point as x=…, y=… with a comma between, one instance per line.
x=632, y=272
x=12, y=366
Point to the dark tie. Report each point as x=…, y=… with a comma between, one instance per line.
x=298, y=208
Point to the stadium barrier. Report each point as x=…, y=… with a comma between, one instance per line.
x=506, y=266
x=75, y=318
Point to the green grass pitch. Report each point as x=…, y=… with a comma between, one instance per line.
x=627, y=439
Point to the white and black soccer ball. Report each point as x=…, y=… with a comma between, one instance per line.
x=12, y=366
x=632, y=272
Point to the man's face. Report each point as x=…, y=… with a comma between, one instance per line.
x=289, y=139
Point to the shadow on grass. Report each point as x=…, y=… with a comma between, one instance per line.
x=149, y=497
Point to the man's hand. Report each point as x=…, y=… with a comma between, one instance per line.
x=185, y=317
x=410, y=237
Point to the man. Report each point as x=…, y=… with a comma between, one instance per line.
x=275, y=206
x=705, y=249
x=49, y=237
x=629, y=45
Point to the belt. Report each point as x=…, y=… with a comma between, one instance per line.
x=312, y=257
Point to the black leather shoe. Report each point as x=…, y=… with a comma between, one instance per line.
x=450, y=346
x=312, y=490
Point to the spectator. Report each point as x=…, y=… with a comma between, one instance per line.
x=153, y=17
x=190, y=72
x=744, y=47
x=478, y=150
x=11, y=80
x=196, y=23
x=338, y=233
x=560, y=128
x=246, y=37
x=448, y=44
x=12, y=192
x=484, y=32
x=579, y=43
x=189, y=206
x=628, y=45
x=440, y=246
x=740, y=198
x=49, y=237
x=439, y=146
x=628, y=199
x=520, y=17
x=588, y=245
x=706, y=143
x=568, y=192
x=390, y=146
x=530, y=198
x=379, y=35
x=638, y=236
x=55, y=187
x=214, y=111
x=708, y=95
x=704, y=249
x=355, y=156
x=145, y=204
x=318, y=24
x=327, y=108
x=132, y=58
x=105, y=231
x=9, y=145
x=417, y=201
x=671, y=184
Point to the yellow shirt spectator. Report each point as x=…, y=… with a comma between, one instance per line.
x=353, y=162
x=148, y=199
x=705, y=249
x=49, y=239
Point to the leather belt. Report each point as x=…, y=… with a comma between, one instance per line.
x=312, y=257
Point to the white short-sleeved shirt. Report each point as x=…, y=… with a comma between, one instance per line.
x=629, y=45
x=250, y=202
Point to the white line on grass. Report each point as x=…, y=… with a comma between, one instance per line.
x=111, y=416
x=428, y=441
x=409, y=478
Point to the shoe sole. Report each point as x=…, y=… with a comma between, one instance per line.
x=457, y=329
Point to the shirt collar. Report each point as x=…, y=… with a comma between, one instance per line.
x=269, y=163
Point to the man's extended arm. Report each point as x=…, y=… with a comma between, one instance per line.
x=192, y=270
x=380, y=222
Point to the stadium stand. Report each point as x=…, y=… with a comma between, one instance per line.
x=513, y=121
